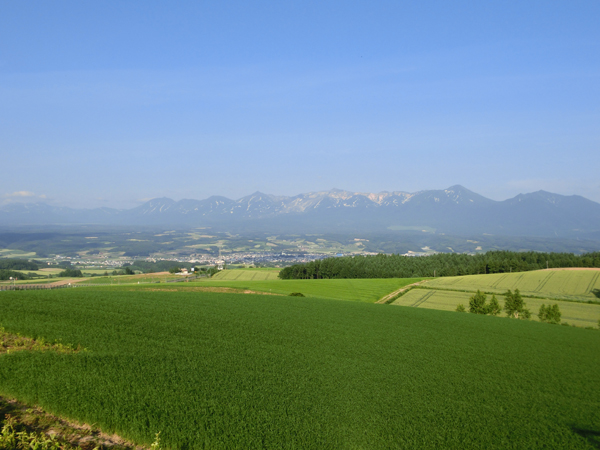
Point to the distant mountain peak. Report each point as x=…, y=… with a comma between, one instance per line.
x=452, y=210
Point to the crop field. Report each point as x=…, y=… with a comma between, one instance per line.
x=247, y=274
x=583, y=284
x=574, y=291
x=210, y=370
x=580, y=314
x=363, y=290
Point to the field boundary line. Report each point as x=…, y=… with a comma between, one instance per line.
x=397, y=293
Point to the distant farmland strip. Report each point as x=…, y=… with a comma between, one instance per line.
x=562, y=284
x=578, y=305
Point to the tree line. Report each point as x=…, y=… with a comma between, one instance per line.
x=514, y=306
x=17, y=264
x=439, y=265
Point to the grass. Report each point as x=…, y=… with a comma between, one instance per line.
x=217, y=371
x=363, y=290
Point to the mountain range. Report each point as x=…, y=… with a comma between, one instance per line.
x=455, y=210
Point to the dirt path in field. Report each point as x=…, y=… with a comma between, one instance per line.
x=389, y=296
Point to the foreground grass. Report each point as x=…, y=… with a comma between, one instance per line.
x=251, y=371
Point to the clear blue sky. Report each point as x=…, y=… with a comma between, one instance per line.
x=110, y=103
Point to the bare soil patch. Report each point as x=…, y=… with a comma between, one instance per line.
x=22, y=418
x=10, y=342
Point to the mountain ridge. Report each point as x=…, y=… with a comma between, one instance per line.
x=452, y=210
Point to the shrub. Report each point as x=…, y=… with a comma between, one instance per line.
x=477, y=303
x=550, y=314
x=296, y=294
x=460, y=308
x=494, y=307
x=73, y=273
x=515, y=306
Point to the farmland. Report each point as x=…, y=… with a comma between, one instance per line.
x=247, y=275
x=574, y=313
x=575, y=291
x=212, y=370
x=559, y=283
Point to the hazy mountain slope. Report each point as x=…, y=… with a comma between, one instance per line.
x=455, y=210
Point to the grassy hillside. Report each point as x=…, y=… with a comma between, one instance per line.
x=581, y=284
x=364, y=290
x=249, y=371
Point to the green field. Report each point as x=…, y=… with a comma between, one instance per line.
x=247, y=274
x=556, y=283
x=580, y=314
x=364, y=290
x=570, y=289
x=212, y=370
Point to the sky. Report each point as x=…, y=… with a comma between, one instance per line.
x=114, y=103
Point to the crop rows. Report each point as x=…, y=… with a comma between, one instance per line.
x=583, y=285
x=580, y=314
x=250, y=371
x=246, y=275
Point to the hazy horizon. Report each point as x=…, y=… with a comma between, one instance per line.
x=111, y=104
x=30, y=197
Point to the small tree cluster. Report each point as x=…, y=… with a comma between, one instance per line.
x=515, y=306
x=74, y=273
x=478, y=305
x=550, y=314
